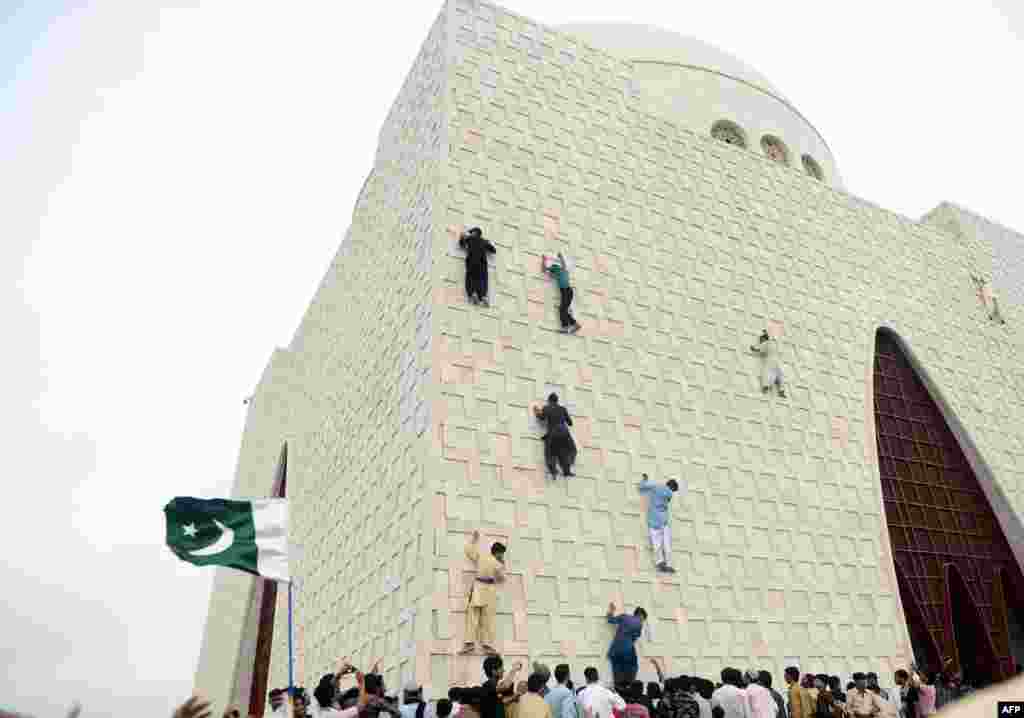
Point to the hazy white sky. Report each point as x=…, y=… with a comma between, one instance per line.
x=175, y=181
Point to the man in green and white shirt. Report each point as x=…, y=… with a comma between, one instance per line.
x=560, y=271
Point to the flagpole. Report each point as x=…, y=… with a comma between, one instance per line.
x=291, y=630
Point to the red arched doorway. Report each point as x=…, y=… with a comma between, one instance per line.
x=937, y=516
x=922, y=639
x=1009, y=613
x=972, y=639
x=265, y=597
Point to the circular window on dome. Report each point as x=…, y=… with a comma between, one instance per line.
x=775, y=149
x=813, y=168
x=729, y=132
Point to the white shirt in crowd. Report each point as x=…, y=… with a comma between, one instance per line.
x=600, y=701
x=733, y=701
x=704, y=704
x=762, y=705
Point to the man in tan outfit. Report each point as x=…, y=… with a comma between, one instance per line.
x=483, y=596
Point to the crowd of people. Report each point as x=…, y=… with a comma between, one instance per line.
x=547, y=694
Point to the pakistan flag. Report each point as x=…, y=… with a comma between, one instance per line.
x=251, y=536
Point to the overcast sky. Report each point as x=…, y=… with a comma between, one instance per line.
x=175, y=181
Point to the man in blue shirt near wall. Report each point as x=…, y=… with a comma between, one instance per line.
x=658, y=515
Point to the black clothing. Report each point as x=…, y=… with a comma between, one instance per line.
x=563, y=308
x=477, y=249
x=558, y=443
x=485, y=698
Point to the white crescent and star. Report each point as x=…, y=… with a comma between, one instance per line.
x=222, y=544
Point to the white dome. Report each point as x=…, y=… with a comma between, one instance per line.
x=701, y=87
x=646, y=43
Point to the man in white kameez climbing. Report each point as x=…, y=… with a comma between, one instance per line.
x=771, y=372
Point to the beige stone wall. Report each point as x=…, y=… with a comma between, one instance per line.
x=683, y=249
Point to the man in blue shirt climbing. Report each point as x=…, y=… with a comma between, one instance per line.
x=658, y=515
x=560, y=271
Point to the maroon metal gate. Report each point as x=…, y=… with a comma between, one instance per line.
x=952, y=559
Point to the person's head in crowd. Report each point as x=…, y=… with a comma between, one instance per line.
x=792, y=674
x=373, y=684
x=860, y=680
x=277, y=697
x=821, y=681
x=443, y=709
x=494, y=668
x=764, y=678
x=521, y=688
x=562, y=673
x=536, y=682
x=752, y=677
x=872, y=678
x=635, y=691
x=498, y=550
x=807, y=681
x=542, y=670
x=850, y=685
x=552, y=398
x=653, y=691
x=707, y=688
x=325, y=691
x=590, y=674
x=412, y=693
x=349, y=698
x=640, y=613
x=717, y=712
x=673, y=485
x=731, y=677
x=834, y=685
x=900, y=677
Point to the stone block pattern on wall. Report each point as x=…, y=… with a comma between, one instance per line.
x=682, y=250
x=359, y=503
x=408, y=412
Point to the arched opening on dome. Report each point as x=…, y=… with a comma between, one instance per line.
x=975, y=656
x=947, y=544
x=812, y=168
x=775, y=149
x=263, y=605
x=730, y=133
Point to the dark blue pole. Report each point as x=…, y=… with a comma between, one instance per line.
x=291, y=630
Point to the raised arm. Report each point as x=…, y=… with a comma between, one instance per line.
x=612, y=618
x=509, y=679
x=473, y=547
x=539, y=413
x=657, y=667
x=561, y=259
x=645, y=484
x=463, y=241
x=489, y=247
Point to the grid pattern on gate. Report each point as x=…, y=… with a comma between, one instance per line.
x=934, y=507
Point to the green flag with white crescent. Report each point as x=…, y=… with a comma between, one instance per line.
x=250, y=535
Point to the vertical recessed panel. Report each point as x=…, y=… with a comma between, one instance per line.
x=940, y=526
